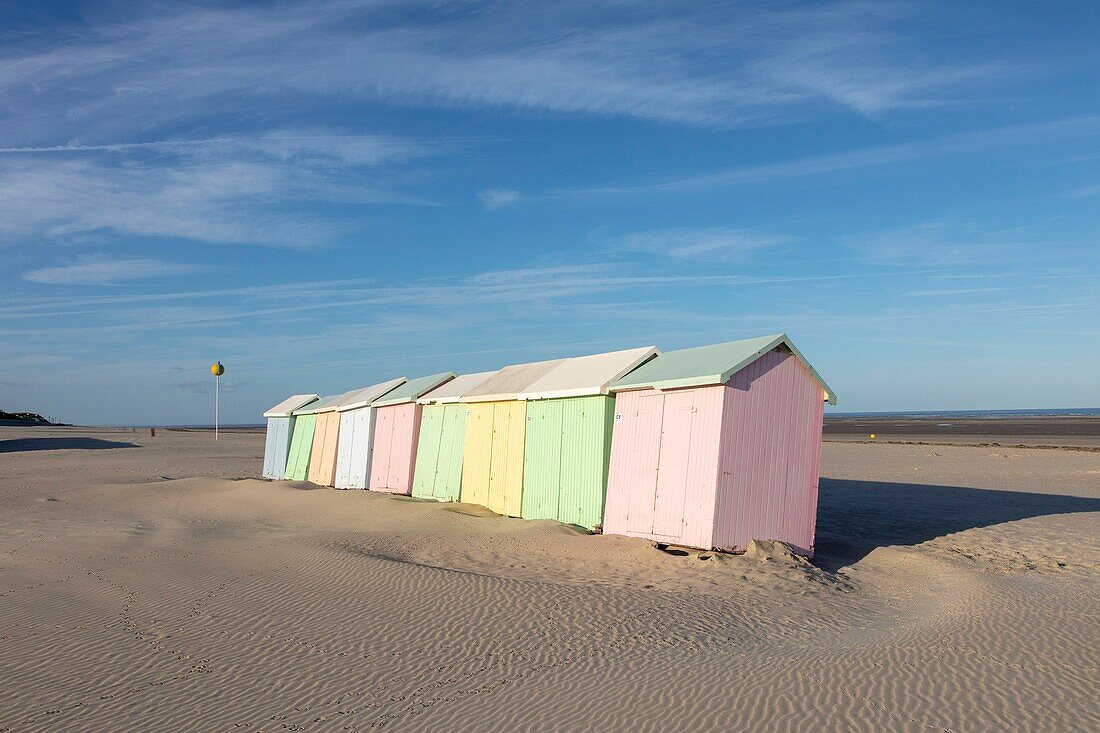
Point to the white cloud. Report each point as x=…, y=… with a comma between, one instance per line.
x=701, y=244
x=726, y=64
x=957, y=245
x=228, y=190
x=105, y=271
x=496, y=198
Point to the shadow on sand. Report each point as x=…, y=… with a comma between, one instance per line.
x=33, y=444
x=855, y=517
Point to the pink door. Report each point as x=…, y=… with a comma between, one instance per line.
x=383, y=441
x=402, y=449
x=646, y=446
x=674, y=464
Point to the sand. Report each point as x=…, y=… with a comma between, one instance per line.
x=155, y=584
x=1079, y=431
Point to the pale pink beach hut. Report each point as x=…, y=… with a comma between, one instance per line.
x=715, y=446
x=397, y=432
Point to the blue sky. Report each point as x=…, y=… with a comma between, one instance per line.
x=330, y=194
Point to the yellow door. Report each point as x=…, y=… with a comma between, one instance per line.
x=477, y=449
x=506, y=466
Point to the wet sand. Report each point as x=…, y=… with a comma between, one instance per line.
x=156, y=584
x=1037, y=431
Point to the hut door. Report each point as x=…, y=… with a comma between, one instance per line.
x=427, y=451
x=271, y=448
x=675, y=460
x=477, y=454
x=360, y=449
x=402, y=446
x=448, y=469
x=383, y=441
x=646, y=445
x=506, y=472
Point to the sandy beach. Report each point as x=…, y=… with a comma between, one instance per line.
x=156, y=584
x=1018, y=430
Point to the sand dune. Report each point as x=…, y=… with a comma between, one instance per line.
x=163, y=587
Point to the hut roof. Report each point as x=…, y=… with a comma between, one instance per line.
x=713, y=364
x=325, y=404
x=454, y=390
x=412, y=389
x=509, y=382
x=290, y=404
x=587, y=375
x=362, y=397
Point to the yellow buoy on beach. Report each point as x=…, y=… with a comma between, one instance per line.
x=217, y=370
x=873, y=436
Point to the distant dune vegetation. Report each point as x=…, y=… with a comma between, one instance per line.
x=23, y=418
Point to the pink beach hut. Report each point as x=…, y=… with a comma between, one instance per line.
x=396, y=433
x=716, y=446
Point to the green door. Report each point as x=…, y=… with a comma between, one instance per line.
x=448, y=476
x=566, y=459
x=586, y=452
x=438, y=473
x=301, y=445
x=427, y=451
x=542, y=460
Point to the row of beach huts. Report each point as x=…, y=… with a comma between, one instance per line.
x=708, y=447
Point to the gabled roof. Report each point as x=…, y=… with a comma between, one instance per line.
x=587, y=375
x=412, y=389
x=362, y=397
x=713, y=364
x=325, y=404
x=453, y=390
x=510, y=381
x=290, y=404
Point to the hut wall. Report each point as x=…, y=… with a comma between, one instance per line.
x=438, y=471
x=771, y=442
x=664, y=465
x=566, y=453
x=354, y=448
x=277, y=446
x=396, y=433
x=322, y=460
x=492, y=468
x=301, y=448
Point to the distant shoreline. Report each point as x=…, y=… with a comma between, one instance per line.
x=1070, y=430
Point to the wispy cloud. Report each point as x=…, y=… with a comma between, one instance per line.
x=934, y=293
x=206, y=386
x=967, y=143
x=946, y=244
x=1083, y=192
x=727, y=64
x=229, y=190
x=480, y=298
x=103, y=270
x=705, y=245
x=498, y=198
